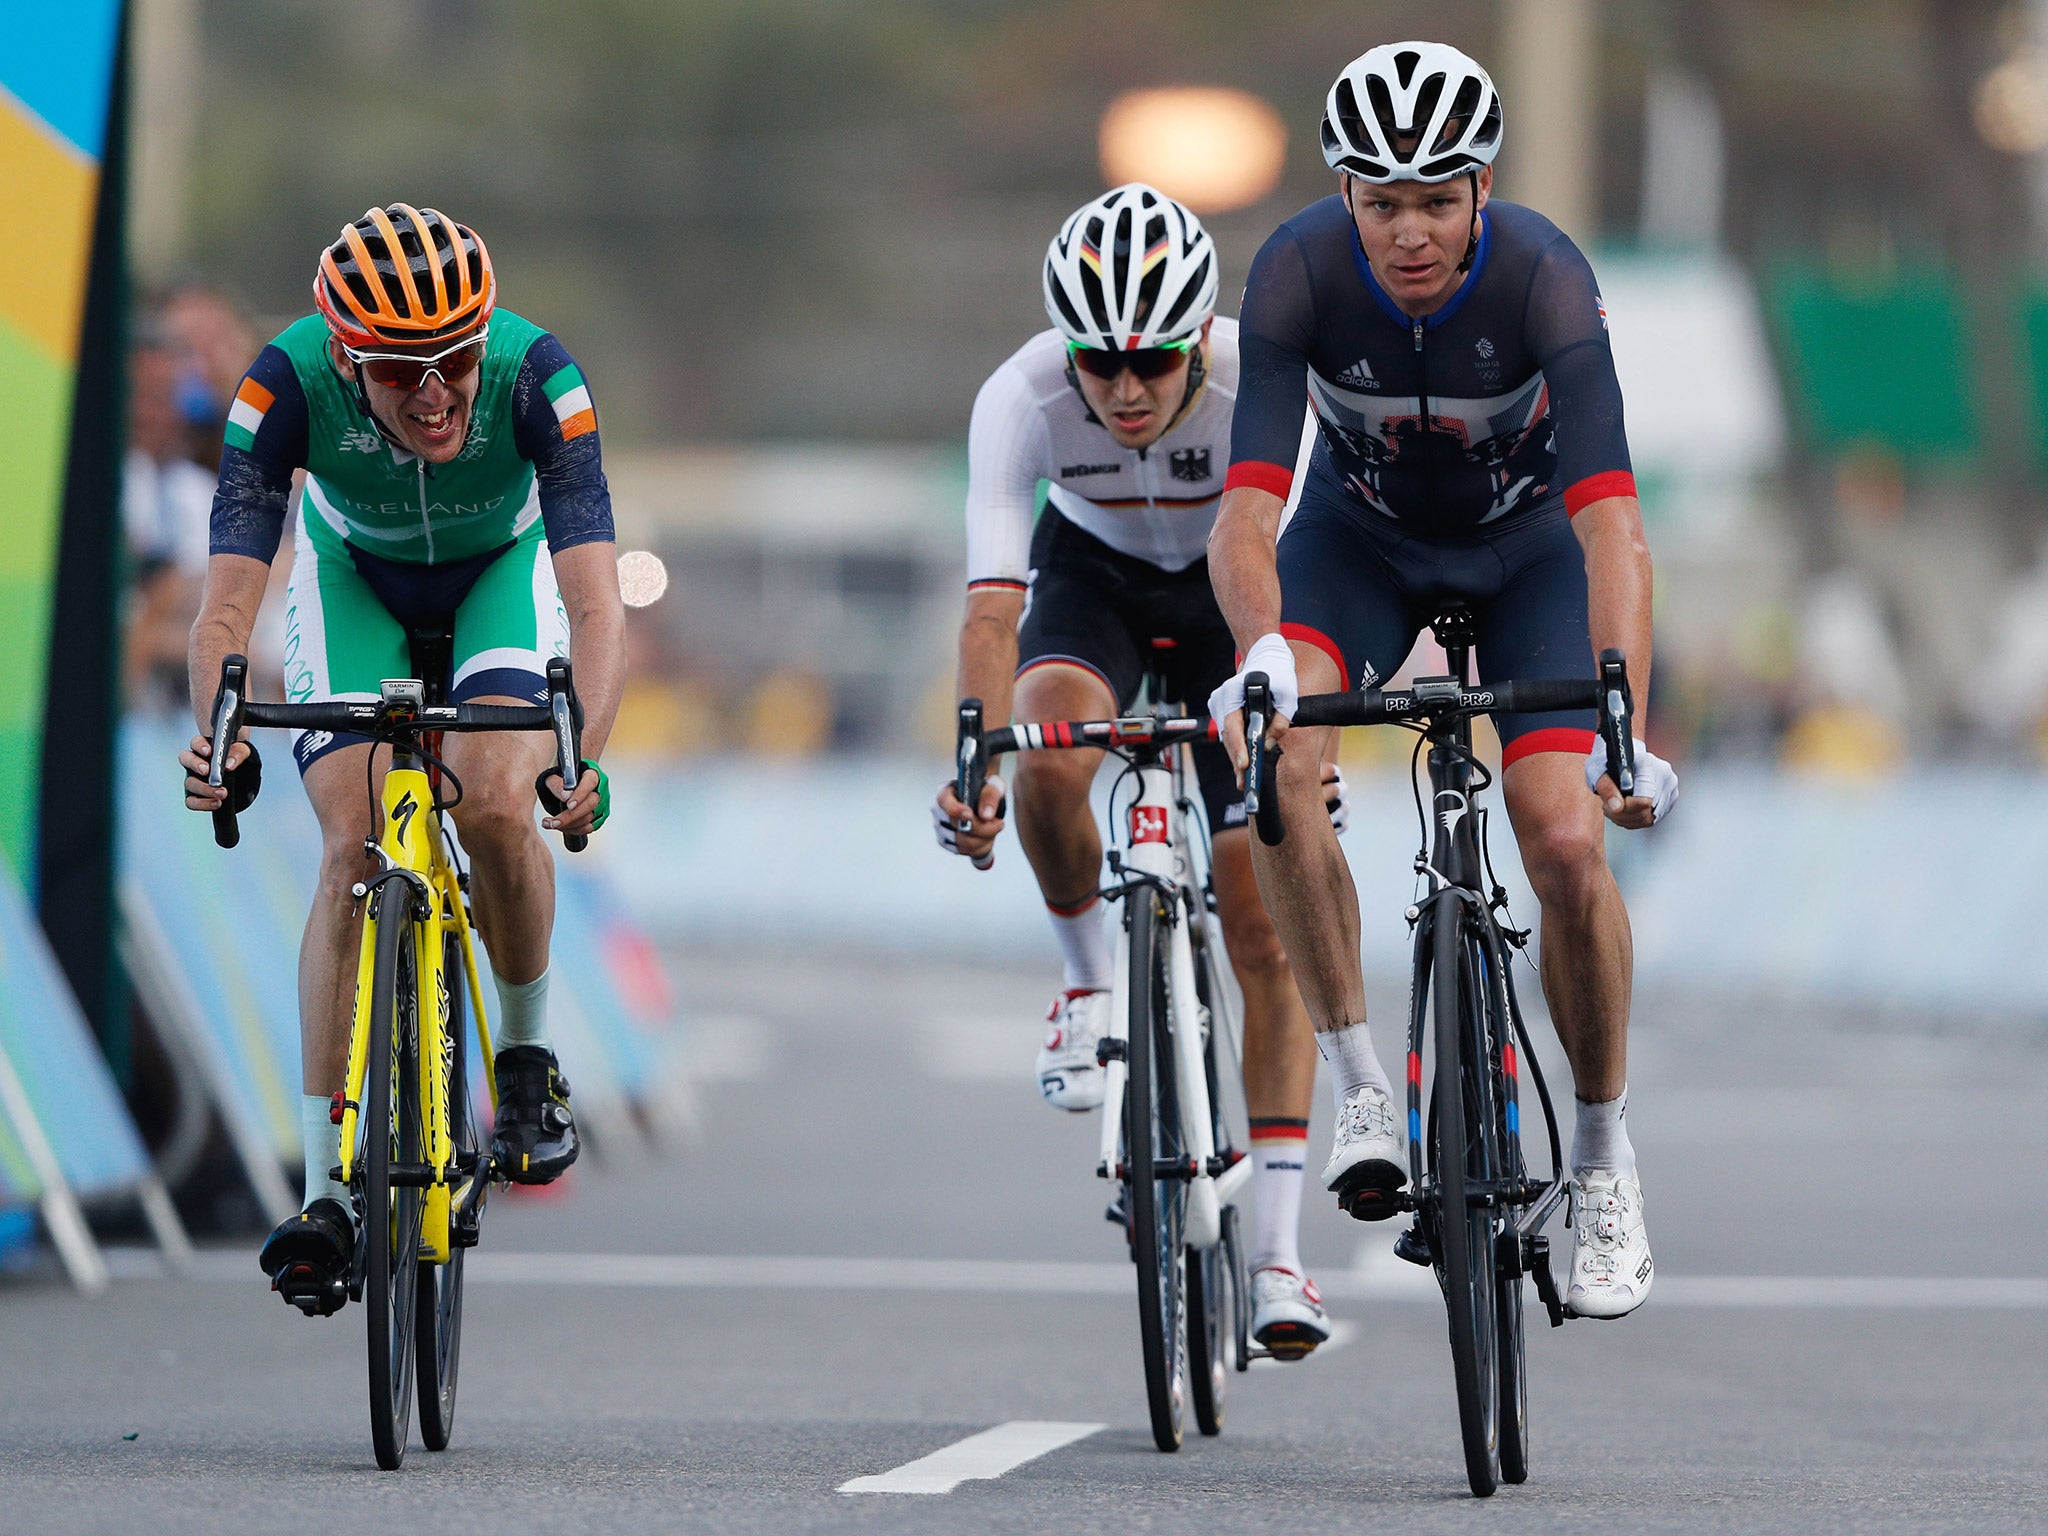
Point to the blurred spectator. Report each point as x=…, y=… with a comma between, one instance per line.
x=214, y=346
x=166, y=503
x=1855, y=687
x=2012, y=707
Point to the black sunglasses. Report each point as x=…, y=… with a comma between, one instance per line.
x=1148, y=363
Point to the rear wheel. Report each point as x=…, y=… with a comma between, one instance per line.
x=391, y=1213
x=1157, y=1205
x=1215, y=1295
x=1514, y=1362
x=439, y=1295
x=1465, y=1230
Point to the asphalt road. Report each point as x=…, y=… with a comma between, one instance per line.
x=879, y=1244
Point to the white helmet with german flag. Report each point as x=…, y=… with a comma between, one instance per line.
x=1130, y=269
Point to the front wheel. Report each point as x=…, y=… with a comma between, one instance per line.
x=391, y=1213
x=1157, y=1205
x=1465, y=1228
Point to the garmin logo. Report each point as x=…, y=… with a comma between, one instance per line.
x=1076, y=471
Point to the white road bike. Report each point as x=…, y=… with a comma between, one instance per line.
x=1174, y=1089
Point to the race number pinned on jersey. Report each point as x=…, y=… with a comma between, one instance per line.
x=1148, y=824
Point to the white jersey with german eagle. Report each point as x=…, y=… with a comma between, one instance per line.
x=1155, y=504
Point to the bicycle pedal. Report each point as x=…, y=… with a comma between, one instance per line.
x=303, y=1286
x=1287, y=1350
x=1414, y=1247
x=1116, y=1215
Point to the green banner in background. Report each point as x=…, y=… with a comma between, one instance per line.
x=55, y=73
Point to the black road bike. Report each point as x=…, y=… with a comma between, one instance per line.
x=1478, y=1213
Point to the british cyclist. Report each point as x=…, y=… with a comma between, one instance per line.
x=452, y=471
x=1125, y=407
x=1470, y=451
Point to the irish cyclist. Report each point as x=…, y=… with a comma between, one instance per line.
x=452, y=472
x=1125, y=407
x=1470, y=451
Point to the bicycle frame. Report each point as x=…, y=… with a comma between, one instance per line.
x=1154, y=852
x=416, y=867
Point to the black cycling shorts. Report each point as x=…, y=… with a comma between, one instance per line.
x=1361, y=589
x=1094, y=607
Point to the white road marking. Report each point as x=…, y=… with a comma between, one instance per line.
x=987, y=1455
x=1038, y=1277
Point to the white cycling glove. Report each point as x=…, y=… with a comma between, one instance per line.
x=1655, y=780
x=947, y=830
x=1337, y=798
x=1269, y=654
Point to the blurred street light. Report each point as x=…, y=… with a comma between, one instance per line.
x=642, y=578
x=2011, y=105
x=1214, y=149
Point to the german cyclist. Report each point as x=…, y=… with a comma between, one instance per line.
x=1125, y=406
x=452, y=472
x=1470, y=451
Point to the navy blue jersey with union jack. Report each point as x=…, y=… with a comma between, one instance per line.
x=1502, y=402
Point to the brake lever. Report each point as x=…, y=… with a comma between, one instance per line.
x=227, y=725
x=970, y=770
x=1617, y=721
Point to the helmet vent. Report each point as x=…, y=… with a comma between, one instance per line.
x=1462, y=108
x=1404, y=66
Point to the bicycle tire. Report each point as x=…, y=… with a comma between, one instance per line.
x=1156, y=1205
x=1464, y=1232
x=437, y=1329
x=1212, y=1334
x=391, y=1214
x=1512, y=1353
x=1215, y=1286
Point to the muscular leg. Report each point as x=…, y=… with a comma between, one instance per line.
x=1305, y=882
x=513, y=890
x=1588, y=954
x=1054, y=821
x=327, y=956
x=1279, y=1056
x=1279, y=1045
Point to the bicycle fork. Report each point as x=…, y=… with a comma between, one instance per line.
x=1152, y=858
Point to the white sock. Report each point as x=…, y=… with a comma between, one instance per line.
x=1353, y=1062
x=1084, y=944
x=1600, y=1139
x=1279, y=1149
x=320, y=1142
x=522, y=1013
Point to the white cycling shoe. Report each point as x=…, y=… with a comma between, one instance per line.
x=1068, y=1074
x=1367, y=1165
x=1611, y=1268
x=1287, y=1313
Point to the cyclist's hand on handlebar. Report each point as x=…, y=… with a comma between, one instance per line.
x=972, y=837
x=587, y=808
x=1656, y=788
x=1271, y=655
x=202, y=796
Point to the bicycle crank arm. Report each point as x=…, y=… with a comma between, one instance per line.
x=465, y=1223
x=1536, y=1260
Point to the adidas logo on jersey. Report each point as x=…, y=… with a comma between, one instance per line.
x=1359, y=376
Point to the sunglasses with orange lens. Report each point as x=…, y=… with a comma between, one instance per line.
x=398, y=371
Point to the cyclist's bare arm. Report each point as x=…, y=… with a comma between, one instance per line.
x=1244, y=570
x=1618, y=613
x=587, y=576
x=235, y=585
x=988, y=671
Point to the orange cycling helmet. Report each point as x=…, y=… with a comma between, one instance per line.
x=401, y=276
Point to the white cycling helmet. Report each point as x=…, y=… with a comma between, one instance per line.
x=1133, y=268
x=1429, y=94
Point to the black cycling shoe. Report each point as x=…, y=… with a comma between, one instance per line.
x=534, y=1140
x=309, y=1255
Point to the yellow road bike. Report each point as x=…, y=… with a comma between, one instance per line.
x=417, y=1168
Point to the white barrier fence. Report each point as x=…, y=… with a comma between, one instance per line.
x=1921, y=893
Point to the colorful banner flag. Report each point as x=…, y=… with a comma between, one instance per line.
x=55, y=73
